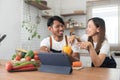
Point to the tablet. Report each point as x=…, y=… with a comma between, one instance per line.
x=55, y=63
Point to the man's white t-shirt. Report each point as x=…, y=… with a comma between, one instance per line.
x=105, y=49
x=57, y=45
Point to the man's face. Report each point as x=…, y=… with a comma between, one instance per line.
x=57, y=28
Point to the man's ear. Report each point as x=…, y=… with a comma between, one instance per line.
x=49, y=28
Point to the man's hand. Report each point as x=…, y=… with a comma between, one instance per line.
x=44, y=49
x=71, y=39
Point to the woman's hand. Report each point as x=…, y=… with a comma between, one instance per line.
x=84, y=45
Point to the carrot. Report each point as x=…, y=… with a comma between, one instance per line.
x=20, y=67
x=28, y=68
x=77, y=64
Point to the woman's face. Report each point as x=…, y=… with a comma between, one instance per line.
x=91, y=29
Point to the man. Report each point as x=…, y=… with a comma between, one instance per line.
x=57, y=40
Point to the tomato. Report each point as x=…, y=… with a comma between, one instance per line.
x=28, y=58
x=18, y=58
x=36, y=57
x=8, y=66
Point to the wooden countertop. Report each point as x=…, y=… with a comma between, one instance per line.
x=86, y=73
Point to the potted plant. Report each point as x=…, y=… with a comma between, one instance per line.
x=31, y=29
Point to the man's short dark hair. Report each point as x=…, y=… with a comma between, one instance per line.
x=53, y=18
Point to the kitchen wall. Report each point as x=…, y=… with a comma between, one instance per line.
x=57, y=6
x=13, y=12
x=119, y=19
x=30, y=13
x=10, y=24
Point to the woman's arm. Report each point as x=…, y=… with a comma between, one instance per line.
x=96, y=59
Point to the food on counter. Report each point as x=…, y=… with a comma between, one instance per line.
x=23, y=60
x=13, y=56
x=27, y=68
x=35, y=52
x=22, y=54
x=30, y=54
x=21, y=66
x=18, y=58
x=36, y=57
x=67, y=49
x=21, y=50
x=77, y=64
x=8, y=66
x=28, y=58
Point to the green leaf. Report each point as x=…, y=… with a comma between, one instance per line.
x=39, y=36
x=31, y=28
x=30, y=31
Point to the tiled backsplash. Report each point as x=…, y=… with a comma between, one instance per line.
x=30, y=13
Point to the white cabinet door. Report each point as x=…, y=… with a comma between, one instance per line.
x=117, y=58
x=86, y=61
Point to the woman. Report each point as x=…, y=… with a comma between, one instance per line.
x=97, y=44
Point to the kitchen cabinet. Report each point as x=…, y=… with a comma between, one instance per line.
x=116, y=55
x=86, y=60
x=117, y=59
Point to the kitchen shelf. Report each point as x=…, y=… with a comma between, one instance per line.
x=46, y=16
x=75, y=28
x=72, y=14
x=38, y=5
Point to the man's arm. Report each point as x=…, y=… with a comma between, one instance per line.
x=75, y=57
x=44, y=45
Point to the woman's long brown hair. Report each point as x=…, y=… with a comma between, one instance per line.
x=99, y=23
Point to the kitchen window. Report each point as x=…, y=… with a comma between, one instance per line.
x=109, y=12
x=110, y=15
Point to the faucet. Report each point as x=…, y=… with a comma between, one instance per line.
x=2, y=37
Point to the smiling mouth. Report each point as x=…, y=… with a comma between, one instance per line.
x=61, y=32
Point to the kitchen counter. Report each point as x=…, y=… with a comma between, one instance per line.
x=87, y=73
